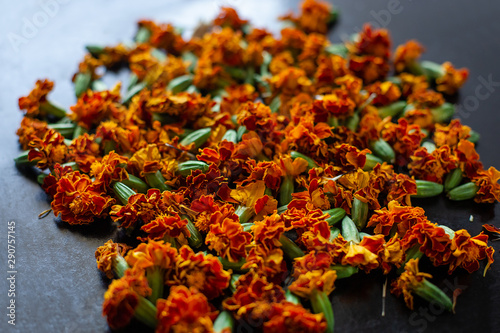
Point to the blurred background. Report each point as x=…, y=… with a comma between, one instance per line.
x=59, y=288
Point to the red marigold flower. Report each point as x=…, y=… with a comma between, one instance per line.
x=106, y=255
x=371, y=41
x=237, y=95
x=185, y=310
x=313, y=46
x=349, y=157
x=467, y=251
x=330, y=67
x=48, y=150
x=140, y=206
x=385, y=93
x=78, y=200
x=270, y=264
x=432, y=166
x=408, y=281
x=451, y=134
x=123, y=296
x=267, y=232
x=84, y=150
x=228, y=17
x=203, y=272
x=111, y=168
x=228, y=239
x=253, y=298
x=211, y=212
x=452, y=79
x=407, y=55
x=313, y=261
x=31, y=103
x=368, y=67
x=289, y=317
x=166, y=225
x=489, y=188
x=404, y=138
x=314, y=16
x=93, y=107
x=257, y=117
x=303, y=219
x=403, y=217
x=50, y=182
x=31, y=128
x=468, y=159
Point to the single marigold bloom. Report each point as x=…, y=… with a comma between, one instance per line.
x=329, y=68
x=312, y=261
x=432, y=166
x=420, y=117
x=51, y=182
x=426, y=99
x=253, y=298
x=306, y=283
x=163, y=36
x=468, y=159
x=385, y=93
x=290, y=81
x=153, y=254
x=395, y=215
x=365, y=254
x=203, y=272
x=400, y=188
x=303, y=219
x=313, y=47
x=115, y=55
x=106, y=254
x=93, y=107
x=228, y=239
x=78, y=200
x=84, y=150
x=211, y=212
x=140, y=206
x=166, y=225
x=467, y=251
x=452, y=79
x=123, y=296
x=237, y=95
x=489, y=188
x=228, y=17
x=111, y=168
x=432, y=241
x=392, y=254
x=336, y=105
x=269, y=172
x=451, y=134
x=207, y=74
x=407, y=55
x=280, y=62
x=408, y=281
x=289, y=317
x=314, y=197
x=369, y=68
x=31, y=128
x=31, y=103
x=48, y=150
x=89, y=65
x=412, y=84
x=375, y=42
x=404, y=138
x=123, y=139
x=257, y=117
x=268, y=231
x=270, y=264
x=314, y=16
x=348, y=157
x=185, y=310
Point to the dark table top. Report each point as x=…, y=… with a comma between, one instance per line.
x=58, y=288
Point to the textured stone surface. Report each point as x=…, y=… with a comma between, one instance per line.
x=58, y=286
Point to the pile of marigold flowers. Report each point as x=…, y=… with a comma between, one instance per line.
x=253, y=171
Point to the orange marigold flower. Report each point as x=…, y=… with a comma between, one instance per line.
x=451, y=134
x=489, y=188
x=228, y=17
x=305, y=283
x=280, y=62
x=123, y=139
x=365, y=254
x=404, y=138
x=289, y=317
x=303, y=219
x=329, y=68
x=420, y=117
x=268, y=231
x=368, y=67
x=468, y=159
x=467, y=251
x=335, y=105
x=314, y=16
x=349, y=158
x=31, y=103
x=123, y=296
x=290, y=81
x=432, y=166
x=84, y=150
x=153, y=254
x=253, y=298
x=111, y=168
x=411, y=84
x=237, y=95
x=106, y=254
x=31, y=128
x=375, y=42
x=166, y=225
x=402, y=218
x=210, y=212
x=400, y=188
x=392, y=254
x=432, y=240
x=228, y=239
x=48, y=150
x=93, y=107
x=313, y=261
x=257, y=117
x=408, y=281
x=426, y=99
x=89, y=64
x=78, y=200
x=270, y=264
x=140, y=206
x=203, y=272
x=164, y=36
x=452, y=79
x=51, y=182
x=386, y=93
x=184, y=311
x=407, y=55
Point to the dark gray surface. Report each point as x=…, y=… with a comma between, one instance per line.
x=58, y=286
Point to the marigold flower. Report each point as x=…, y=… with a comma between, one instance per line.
x=228, y=239
x=432, y=166
x=468, y=159
x=270, y=264
x=123, y=297
x=78, y=200
x=404, y=138
x=392, y=254
x=407, y=55
x=333, y=105
x=31, y=128
x=203, y=272
x=166, y=225
x=267, y=232
x=402, y=217
x=140, y=206
x=369, y=68
x=48, y=150
x=153, y=254
x=386, y=93
x=164, y=36
x=108, y=255
x=111, y=168
x=84, y=150
x=31, y=103
x=289, y=317
x=185, y=310
x=237, y=95
x=229, y=17
x=314, y=16
x=413, y=85
x=489, y=188
x=290, y=82
x=467, y=251
x=306, y=283
x=426, y=99
x=364, y=255
x=329, y=68
x=411, y=279
x=51, y=182
x=452, y=79
x=451, y=134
